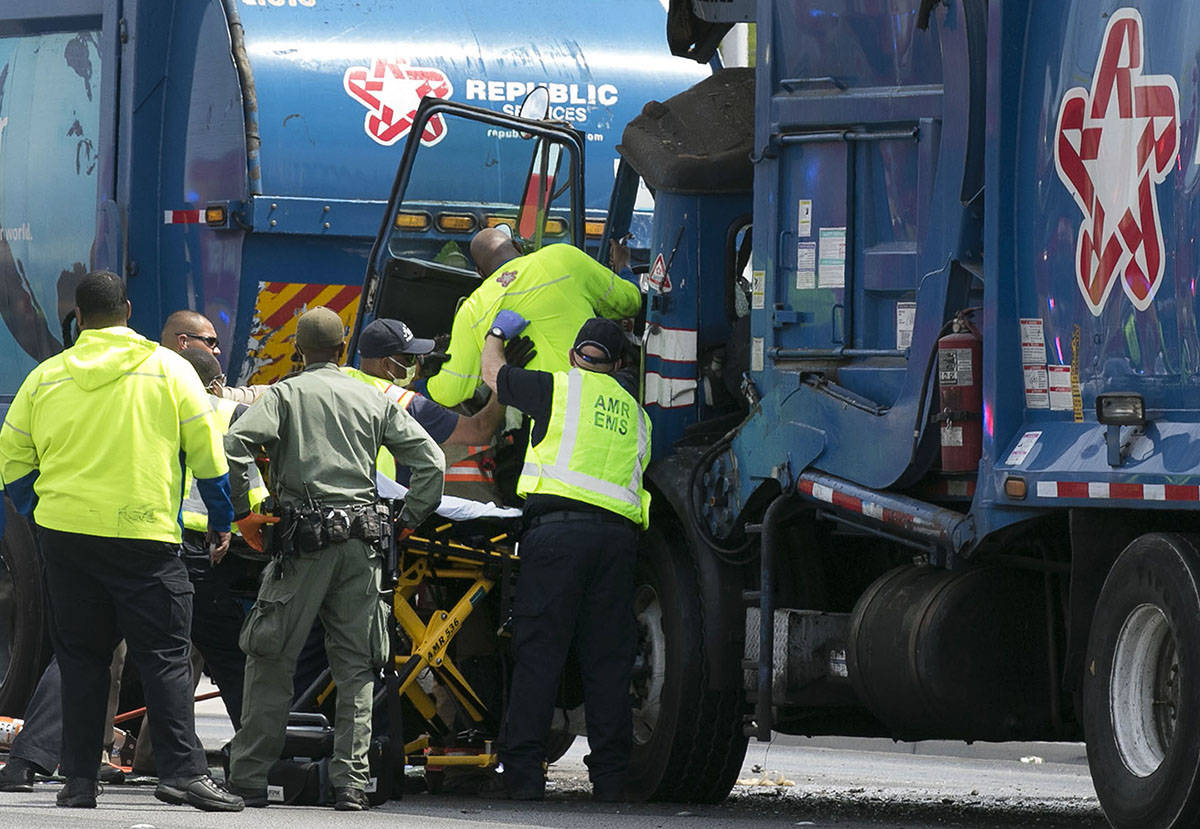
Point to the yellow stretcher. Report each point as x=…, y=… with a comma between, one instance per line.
x=436, y=558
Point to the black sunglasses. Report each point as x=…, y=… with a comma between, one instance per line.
x=211, y=342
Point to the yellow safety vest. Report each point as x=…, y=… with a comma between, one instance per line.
x=399, y=395
x=193, y=511
x=597, y=446
x=104, y=422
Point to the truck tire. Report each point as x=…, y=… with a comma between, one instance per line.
x=688, y=744
x=23, y=648
x=1141, y=686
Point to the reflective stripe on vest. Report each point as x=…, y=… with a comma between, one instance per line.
x=472, y=468
x=193, y=512
x=618, y=487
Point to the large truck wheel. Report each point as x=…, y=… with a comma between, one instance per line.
x=1141, y=686
x=23, y=650
x=688, y=743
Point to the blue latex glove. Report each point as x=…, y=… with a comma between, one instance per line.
x=510, y=323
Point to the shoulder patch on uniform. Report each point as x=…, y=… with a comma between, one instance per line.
x=506, y=278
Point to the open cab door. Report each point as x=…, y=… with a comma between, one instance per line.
x=529, y=180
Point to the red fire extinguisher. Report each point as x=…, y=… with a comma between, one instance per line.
x=960, y=386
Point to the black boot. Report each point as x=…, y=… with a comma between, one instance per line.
x=16, y=776
x=350, y=799
x=199, y=791
x=78, y=793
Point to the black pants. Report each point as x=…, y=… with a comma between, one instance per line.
x=217, y=618
x=103, y=589
x=575, y=587
x=40, y=739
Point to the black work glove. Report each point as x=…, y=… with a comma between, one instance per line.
x=432, y=363
x=519, y=351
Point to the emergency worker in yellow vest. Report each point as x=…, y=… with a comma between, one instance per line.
x=556, y=288
x=217, y=615
x=389, y=360
x=585, y=505
x=97, y=433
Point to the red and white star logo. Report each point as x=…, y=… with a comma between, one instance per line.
x=1113, y=144
x=391, y=90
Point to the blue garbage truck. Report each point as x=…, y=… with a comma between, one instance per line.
x=235, y=157
x=918, y=348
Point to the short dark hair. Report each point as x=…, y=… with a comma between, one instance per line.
x=204, y=362
x=100, y=298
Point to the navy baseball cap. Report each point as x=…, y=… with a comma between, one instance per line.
x=603, y=334
x=385, y=337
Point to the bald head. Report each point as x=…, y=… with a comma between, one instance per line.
x=491, y=248
x=189, y=329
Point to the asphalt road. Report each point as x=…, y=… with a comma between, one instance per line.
x=847, y=783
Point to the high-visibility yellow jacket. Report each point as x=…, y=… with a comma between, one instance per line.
x=194, y=513
x=557, y=289
x=103, y=425
x=596, y=447
x=399, y=395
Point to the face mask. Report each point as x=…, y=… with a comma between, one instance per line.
x=407, y=373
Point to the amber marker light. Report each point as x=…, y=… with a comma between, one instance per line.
x=412, y=221
x=455, y=222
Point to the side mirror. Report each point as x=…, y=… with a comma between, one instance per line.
x=535, y=106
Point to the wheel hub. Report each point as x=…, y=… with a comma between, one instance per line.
x=717, y=497
x=650, y=664
x=1144, y=692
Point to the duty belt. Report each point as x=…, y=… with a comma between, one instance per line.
x=309, y=529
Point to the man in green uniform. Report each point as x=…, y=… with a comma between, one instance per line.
x=322, y=431
x=556, y=288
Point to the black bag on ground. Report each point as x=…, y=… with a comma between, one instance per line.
x=300, y=783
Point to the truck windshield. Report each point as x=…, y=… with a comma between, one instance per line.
x=504, y=179
x=468, y=175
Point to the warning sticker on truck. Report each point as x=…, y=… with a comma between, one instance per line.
x=832, y=261
x=1033, y=341
x=804, y=218
x=1037, y=387
x=1061, y=398
x=758, y=289
x=806, y=265
x=1021, y=451
x=757, y=346
x=906, y=320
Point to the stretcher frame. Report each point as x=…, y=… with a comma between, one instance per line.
x=436, y=556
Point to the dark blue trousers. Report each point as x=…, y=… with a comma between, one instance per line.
x=575, y=587
x=102, y=590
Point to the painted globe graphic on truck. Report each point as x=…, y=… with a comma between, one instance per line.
x=49, y=122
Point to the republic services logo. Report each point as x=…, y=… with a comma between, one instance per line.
x=391, y=90
x=1113, y=144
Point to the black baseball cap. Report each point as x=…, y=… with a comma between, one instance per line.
x=603, y=334
x=385, y=337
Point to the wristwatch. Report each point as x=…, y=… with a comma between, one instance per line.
x=496, y=331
